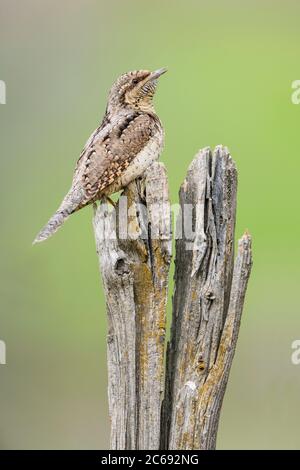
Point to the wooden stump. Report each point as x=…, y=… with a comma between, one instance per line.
x=134, y=248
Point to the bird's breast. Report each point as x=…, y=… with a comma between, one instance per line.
x=150, y=153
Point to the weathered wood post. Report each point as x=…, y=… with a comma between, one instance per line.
x=135, y=253
x=207, y=304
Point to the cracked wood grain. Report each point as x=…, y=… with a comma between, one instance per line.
x=209, y=292
x=134, y=264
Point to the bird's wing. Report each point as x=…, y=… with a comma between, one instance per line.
x=108, y=156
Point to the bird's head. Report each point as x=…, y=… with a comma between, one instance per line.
x=134, y=90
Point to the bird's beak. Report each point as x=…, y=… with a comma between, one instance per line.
x=157, y=73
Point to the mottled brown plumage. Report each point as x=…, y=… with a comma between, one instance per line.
x=129, y=139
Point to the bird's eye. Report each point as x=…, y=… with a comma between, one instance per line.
x=135, y=81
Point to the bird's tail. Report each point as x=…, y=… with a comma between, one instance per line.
x=70, y=204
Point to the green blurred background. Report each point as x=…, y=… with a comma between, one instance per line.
x=231, y=65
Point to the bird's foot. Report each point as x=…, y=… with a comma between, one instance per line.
x=108, y=199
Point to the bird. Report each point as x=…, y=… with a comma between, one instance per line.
x=128, y=140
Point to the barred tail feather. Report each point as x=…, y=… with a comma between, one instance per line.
x=70, y=204
x=52, y=226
